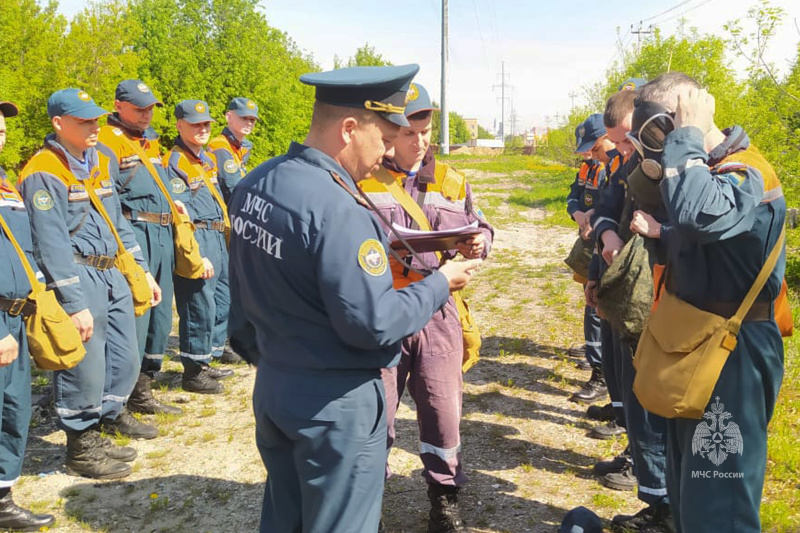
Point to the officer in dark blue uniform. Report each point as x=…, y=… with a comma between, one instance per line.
x=15, y=364
x=313, y=306
x=726, y=211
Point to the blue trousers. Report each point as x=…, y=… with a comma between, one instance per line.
x=322, y=437
x=712, y=492
x=196, y=302
x=612, y=369
x=222, y=300
x=100, y=384
x=592, y=336
x=153, y=327
x=15, y=405
x=647, y=435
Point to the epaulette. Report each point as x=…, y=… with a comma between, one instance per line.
x=356, y=196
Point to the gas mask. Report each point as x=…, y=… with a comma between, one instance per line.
x=650, y=125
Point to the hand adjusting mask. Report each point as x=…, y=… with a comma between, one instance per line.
x=650, y=125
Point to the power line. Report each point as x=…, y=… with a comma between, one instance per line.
x=480, y=32
x=701, y=4
x=673, y=8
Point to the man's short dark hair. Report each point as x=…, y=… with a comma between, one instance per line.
x=421, y=115
x=664, y=89
x=619, y=106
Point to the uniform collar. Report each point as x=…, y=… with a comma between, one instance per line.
x=320, y=159
x=426, y=172
x=234, y=141
x=202, y=158
x=736, y=140
x=149, y=134
x=3, y=175
x=80, y=169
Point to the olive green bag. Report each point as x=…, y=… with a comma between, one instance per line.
x=580, y=257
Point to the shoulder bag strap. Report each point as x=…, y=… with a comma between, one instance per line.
x=215, y=193
x=154, y=173
x=36, y=286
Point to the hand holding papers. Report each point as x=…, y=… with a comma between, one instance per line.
x=431, y=241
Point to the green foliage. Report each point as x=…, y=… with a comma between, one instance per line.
x=365, y=56
x=483, y=133
x=212, y=50
x=459, y=133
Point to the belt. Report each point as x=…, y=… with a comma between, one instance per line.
x=17, y=306
x=759, y=312
x=216, y=225
x=100, y=262
x=163, y=219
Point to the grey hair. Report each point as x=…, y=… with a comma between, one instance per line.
x=663, y=89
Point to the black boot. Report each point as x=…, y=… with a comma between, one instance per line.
x=126, y=424
x=654, y=519
x=195, y=380
x=606, y=431
x=592, y=390
x=603, y=414
x=625, y=480
x=229, y=357
x=15, y=518
x=86, y=457
x=120, y=453
x=444, y=516
x=617, y=465
x=217, y=373
x=141, y=399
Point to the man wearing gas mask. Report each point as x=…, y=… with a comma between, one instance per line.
x=726, y=211
x=644, y=461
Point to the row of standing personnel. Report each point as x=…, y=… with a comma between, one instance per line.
x=710, y=210
x=52, y=215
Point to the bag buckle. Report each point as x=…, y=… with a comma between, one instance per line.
x=166, y=219
x=104, y=262
x=17, y=307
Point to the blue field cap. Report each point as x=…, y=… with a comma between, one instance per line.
x=591, y=130
x=193, y=111
x=380, y=89
x=631, y=84
x=244, y=107
x=581, y=520
x=137, y=93
x=8, y=109
x=418, y=100
x=75, y=103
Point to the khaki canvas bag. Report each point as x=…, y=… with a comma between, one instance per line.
x=188, y=261
x=53, y=340
x=682, y=350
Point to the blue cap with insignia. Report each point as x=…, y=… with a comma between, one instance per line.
x=631, y=84
x=581, y=520
x=418, y=100
x=380, y=89
x=8, y=109
x=593, y=129
x=193, y=111
x=244, y=107
x=75, y=103
x=137, y=93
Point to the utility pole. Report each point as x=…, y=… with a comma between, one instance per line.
x=502, y=102
x=445, y=125
x=572, y=95
x=639, y=32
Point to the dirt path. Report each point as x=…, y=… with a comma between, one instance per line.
x=524, y=445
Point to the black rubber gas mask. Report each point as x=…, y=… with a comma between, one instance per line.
x=650, y=125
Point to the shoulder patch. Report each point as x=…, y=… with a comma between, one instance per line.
x=43, y=200
x=116, y=131
x=372, y=257
x=178, y=185
x=231, y=166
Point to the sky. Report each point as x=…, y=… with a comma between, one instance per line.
x=548, y=50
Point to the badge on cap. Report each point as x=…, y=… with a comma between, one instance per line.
x=251, y=104
x=200, y=108
x=83, y=95
x=178, y=185
x=630, y=86
x=230, y=166
x=43, y=200
x=372, y=257
x=143, y=88
x=581, y=132
x=413, y=93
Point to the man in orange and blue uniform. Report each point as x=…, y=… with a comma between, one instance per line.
x=148, y=211
x=76, y=249
x=231, y=151
x=726, y=211
x=431, y=360
x=15, y=364
x=191, y=171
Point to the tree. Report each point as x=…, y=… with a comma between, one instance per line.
x=365, y=56
x=483, y=133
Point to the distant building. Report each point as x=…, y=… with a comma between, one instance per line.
x=472, y=127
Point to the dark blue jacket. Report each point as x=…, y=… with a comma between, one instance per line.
x=310, y=282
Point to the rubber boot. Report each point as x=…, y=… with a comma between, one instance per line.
x=444, y=516
x=15, y=518
x=86, y=457
x=142, y=401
